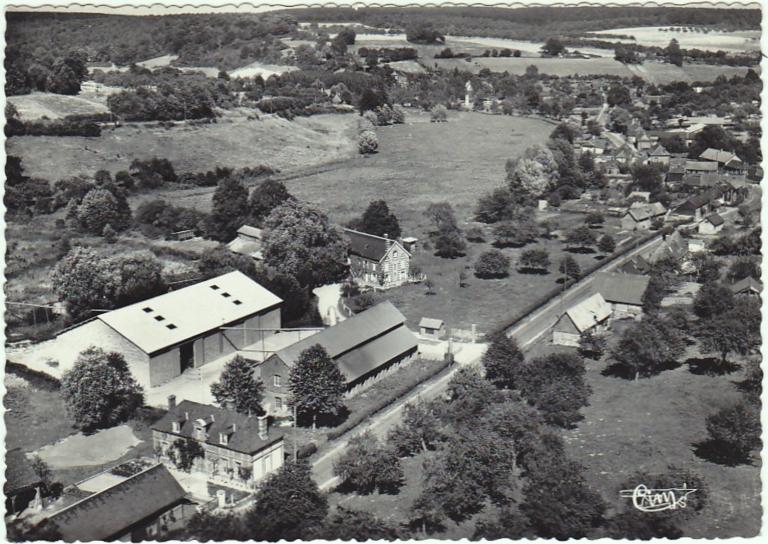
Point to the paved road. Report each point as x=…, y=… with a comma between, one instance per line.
x=525, y=332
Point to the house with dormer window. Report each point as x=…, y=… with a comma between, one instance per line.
x=378, y=261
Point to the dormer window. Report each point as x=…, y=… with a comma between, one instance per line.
x=214, y=287
x=147, y=310
x=223, y=439
x=176, y=427
x=225, y=294
x=159, y=318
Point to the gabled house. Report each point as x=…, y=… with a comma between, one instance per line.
x=672, y=246
x=378, y=261
x=591, y=314
x=248, y=242
x=725, y=159
x=659, y=155
x=676, y=171
x=239, y=450
x=366, y=347
x=748, y=287
x=624, y=292
x=640, y=217
x=430, y=327
x=625, y=154
x=697, y=206
x=141, y=507
x=712, y=224
x=697, y=167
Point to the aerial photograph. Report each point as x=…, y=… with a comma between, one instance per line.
x=382, y=273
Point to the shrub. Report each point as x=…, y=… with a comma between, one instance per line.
x=371, y=117
x=306, y=450
x=492, y=264
x=439, y=114
x=367, y=142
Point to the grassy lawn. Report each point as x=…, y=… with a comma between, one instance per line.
x=234, y=141
x=654, y=422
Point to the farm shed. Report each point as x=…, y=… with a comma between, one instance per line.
x=589, y=314
x=248, y=242
x=366, y=347
x=134, y=509
x=432, y=328
x=195, y=325
x=712, y=224
x=624, y=292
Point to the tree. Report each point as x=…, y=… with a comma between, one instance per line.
x=347, y=525
x=449, y=242
x=366, y=466
x=645, y=347
x=439, y=114
x=183, y=452
x=737, y=330
x=618, y=95
x=367, y=142
x=440, y=214
x=594, y=219
x=533, y=174
x=239, y=388
x=206, y=526
x=492, y=264
x=109, y=234
x=101, y=207
x=316, y=384
x=502, y=360
x=581, y=237
x=516, y=232
x=347, y=36
x=99, y=391
x=229, y=211
x=569, y=268
x=288, y=505
x=553, y=47
x=606, y=244
x=264, y=198
x=418, y=431
x=299, y=241
x=737, y=429
x=744, y=267
x=674, y=53
x=378, y=220
x=713, y=299
x=536, y=259
x=592, y=345
x=498, y=205
x=423, y=32
x=371, y=99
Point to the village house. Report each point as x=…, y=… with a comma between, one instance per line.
x=141, y=507
x=673, y=246
x=712, y=224
x=726, y=160
x=659, y=155
x=377, y=261
x=248, y=242
x=748, y=286
x=700, y=167
x=162, y=337
x=591, y=314
x=697, y=206
x=624, y=292
x=675, y=171
x=641, y=216
x=366, y=347
x=432, y=328
x=239, y=450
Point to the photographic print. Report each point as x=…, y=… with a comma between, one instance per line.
x=382, y=273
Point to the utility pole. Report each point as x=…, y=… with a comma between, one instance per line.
x=295, y=438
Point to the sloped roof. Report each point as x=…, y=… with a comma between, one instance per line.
x=105, y=515
x=246, y=246
x=673, y=246
x=589, y=312
x=622, y=288
x=250, y=232
x=701, y=166
x=348, y=334
x=646, y=211
x=369, y=246
x=368, y=357
x=715, y=219
x=174, y=317
x=659, y=151
x=747, y=284
x=242, y=431
x=717, y=155
x=431, y=323
x=706, y=179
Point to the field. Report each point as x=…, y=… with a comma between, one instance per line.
x=712, y=41
x=652, y=71
x=261, y=69
x=35, y=106
x=234, y=141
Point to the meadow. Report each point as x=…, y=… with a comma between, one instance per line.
x=36, y=105
x=738, y=42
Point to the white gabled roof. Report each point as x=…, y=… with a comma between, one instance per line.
x=166, y=320
x=589, y=312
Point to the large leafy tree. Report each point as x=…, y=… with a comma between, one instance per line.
x=347, y=525
x=99, y=391
x=366, y=466
x=645, y=347
x=737, y=430
x=264, y=198
x=735, y=331
x=229, y=211
x=712, y=300
x=317, y=385
x=300, y=241
x=287, y=506
x=239, y=388
x=498, y=205
x=502, y=360
x=101, y=207
x=418, y=431
x=378, y=220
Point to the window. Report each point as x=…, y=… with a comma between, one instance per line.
x=278, y=403
x=276, y=380
x=147, y=310
x=170, y=326
x=214, y=287
x=159, y=318
x=237, y=302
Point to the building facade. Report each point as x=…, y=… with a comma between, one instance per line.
x=377, y=261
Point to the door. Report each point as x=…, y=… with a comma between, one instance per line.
x=187, y=356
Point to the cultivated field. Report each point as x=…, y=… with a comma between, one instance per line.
x=234, y=141
x=35, y=106
x=652, y=71
x=712, y=41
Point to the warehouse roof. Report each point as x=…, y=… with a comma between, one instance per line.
x=623, y=288
x=166, y=320
x=370, y=356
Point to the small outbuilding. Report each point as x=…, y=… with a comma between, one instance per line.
x=712, y=224
x=591, y=314
x=432, y=328
x=748, y=286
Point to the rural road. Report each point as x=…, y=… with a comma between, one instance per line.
x=525, y=332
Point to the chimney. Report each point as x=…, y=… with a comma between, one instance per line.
x=171, y=402
x=263, y=429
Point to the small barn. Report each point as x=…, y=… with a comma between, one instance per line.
x=712, y=224
x=248, y=242
x=624, y=292
x=640, y=217
x=432, y=328
x=591, y=314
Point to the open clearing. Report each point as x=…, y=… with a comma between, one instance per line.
x=741, y=41
x=35, y=106
x=261, y=69
x=234, y=141
x=654, y=72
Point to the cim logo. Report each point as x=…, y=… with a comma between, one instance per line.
x=657, y=500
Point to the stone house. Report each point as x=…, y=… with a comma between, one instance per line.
x=378, y=261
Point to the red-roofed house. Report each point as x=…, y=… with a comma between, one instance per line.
x=376, y=260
